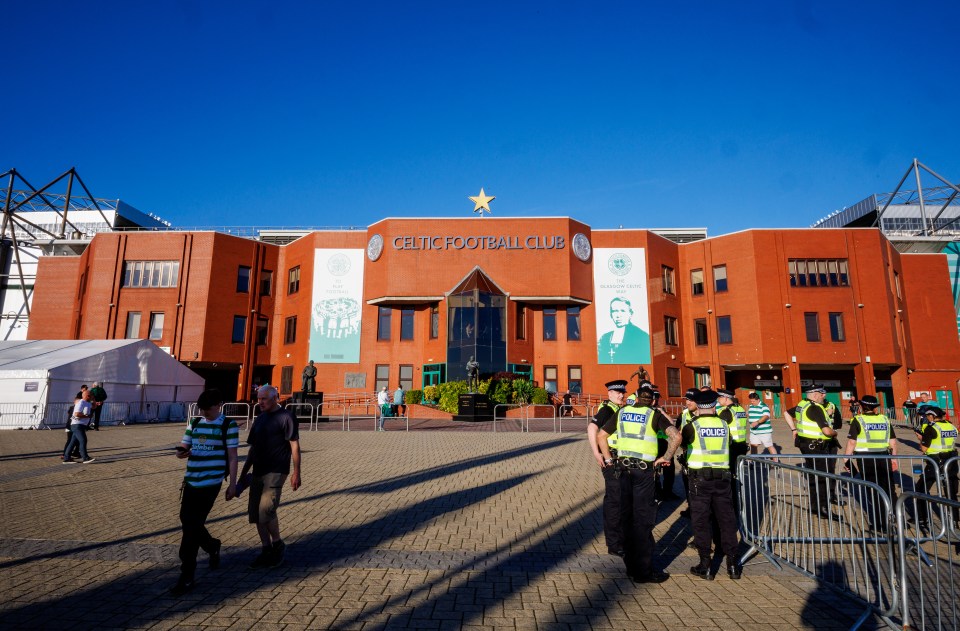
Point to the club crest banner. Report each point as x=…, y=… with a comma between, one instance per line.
x=337, y=297
x=620, y=298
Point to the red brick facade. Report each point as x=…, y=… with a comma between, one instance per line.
x=904, y=335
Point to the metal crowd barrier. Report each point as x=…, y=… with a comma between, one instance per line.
x=910, y=468
x=929, y=579
x=846, y=547
x=506, y=418
x=366, y=406
x=406, y=417
x=297, y=410
x=552, y=417
x=22, y=415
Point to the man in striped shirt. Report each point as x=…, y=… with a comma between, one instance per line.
x=761, y=429
x=210, y=447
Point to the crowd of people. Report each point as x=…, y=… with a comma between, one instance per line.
x=634, y=442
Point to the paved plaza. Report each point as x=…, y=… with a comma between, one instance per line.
x=426, y=529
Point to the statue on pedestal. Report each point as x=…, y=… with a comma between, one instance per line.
x=309, y=378
x=473, y=375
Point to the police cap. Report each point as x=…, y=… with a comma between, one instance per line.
x=690, y=394
x=816, y=388
x=618, y=385
x=706, y=399
x=723, y=392
x=869, y=401
x=932, y=409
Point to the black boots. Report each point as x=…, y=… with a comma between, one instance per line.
x=734, y=570
x=703, y=570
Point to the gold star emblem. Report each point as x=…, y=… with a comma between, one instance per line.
x=482, y=202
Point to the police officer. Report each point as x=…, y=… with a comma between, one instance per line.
x=938, y=440
x=733, y=413
x=612, y=528
x=872, y=433
x=636, y=427
x=814, y=435
x=668, y=473
x=707, y=438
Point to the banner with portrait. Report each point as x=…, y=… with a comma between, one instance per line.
x=337, y=300
x=620, y=300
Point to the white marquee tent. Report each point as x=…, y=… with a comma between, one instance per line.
x=39, y=379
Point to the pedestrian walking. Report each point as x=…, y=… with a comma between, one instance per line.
x=274, y=441
x=210, y=447
x=82, y=412
x=761, y=428
x=99, y=397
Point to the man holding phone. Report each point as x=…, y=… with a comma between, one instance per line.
x=210, y=447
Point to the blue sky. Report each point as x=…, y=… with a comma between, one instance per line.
x=723, y=115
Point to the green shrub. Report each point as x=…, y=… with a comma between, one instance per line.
x=449, y=396
x=430, y=394
x=484, y=387
x=502, y=391
x=522, y=391
x=540, y=397
x=413, y=397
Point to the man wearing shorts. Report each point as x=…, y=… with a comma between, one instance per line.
x=274, y=441
x=761, y=429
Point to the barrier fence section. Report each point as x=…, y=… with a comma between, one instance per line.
x=552, y=418
x=301, y=411
x=834, y=529
x=509, y=421
x=23, y=415
x=929, y=568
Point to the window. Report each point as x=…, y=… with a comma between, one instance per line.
x=673, y=383
x=550, y=378
x=434, y=322
x=290, y=330
x=382, y=377
x=286, y=379
x=670, y=330
x=573, y=324
x=549, y=324
x=896, y=282
x=293, y=280
x=243, y=279
x=156, y=325
x=263, y=327
x=406, y=324
x=818, y=272
x=521, y=321
x=383, y=324
x=696, y=282
x=133, y=325
x=720, y=278
x=239, y=329
x=575, y=379
x=700, y=331
x=811, y=322
x=406, y=378
x=667, y=273
x=150, y=273
x=837, y=333
x=266, y=282
x=724, y=330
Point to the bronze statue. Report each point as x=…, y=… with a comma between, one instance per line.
x=473, y=375
x=309, y=378
x=641, y=376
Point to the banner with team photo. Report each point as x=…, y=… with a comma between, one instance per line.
x=337, y=297
x=620, y=300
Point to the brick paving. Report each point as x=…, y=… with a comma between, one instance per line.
x=439, y=529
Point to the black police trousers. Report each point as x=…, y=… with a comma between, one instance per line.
x=612, y=510
x=927, y=483
x=639, y=512
x=711, y=496
x=880, y=473
x=669, y=472
x=817, y=486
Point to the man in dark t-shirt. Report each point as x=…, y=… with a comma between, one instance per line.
x=274, y=441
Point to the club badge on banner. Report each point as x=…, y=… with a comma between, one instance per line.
x=620, y=298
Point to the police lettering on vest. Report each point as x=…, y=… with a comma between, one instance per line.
x=635, y=438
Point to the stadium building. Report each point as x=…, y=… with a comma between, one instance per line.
x=410, y=300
